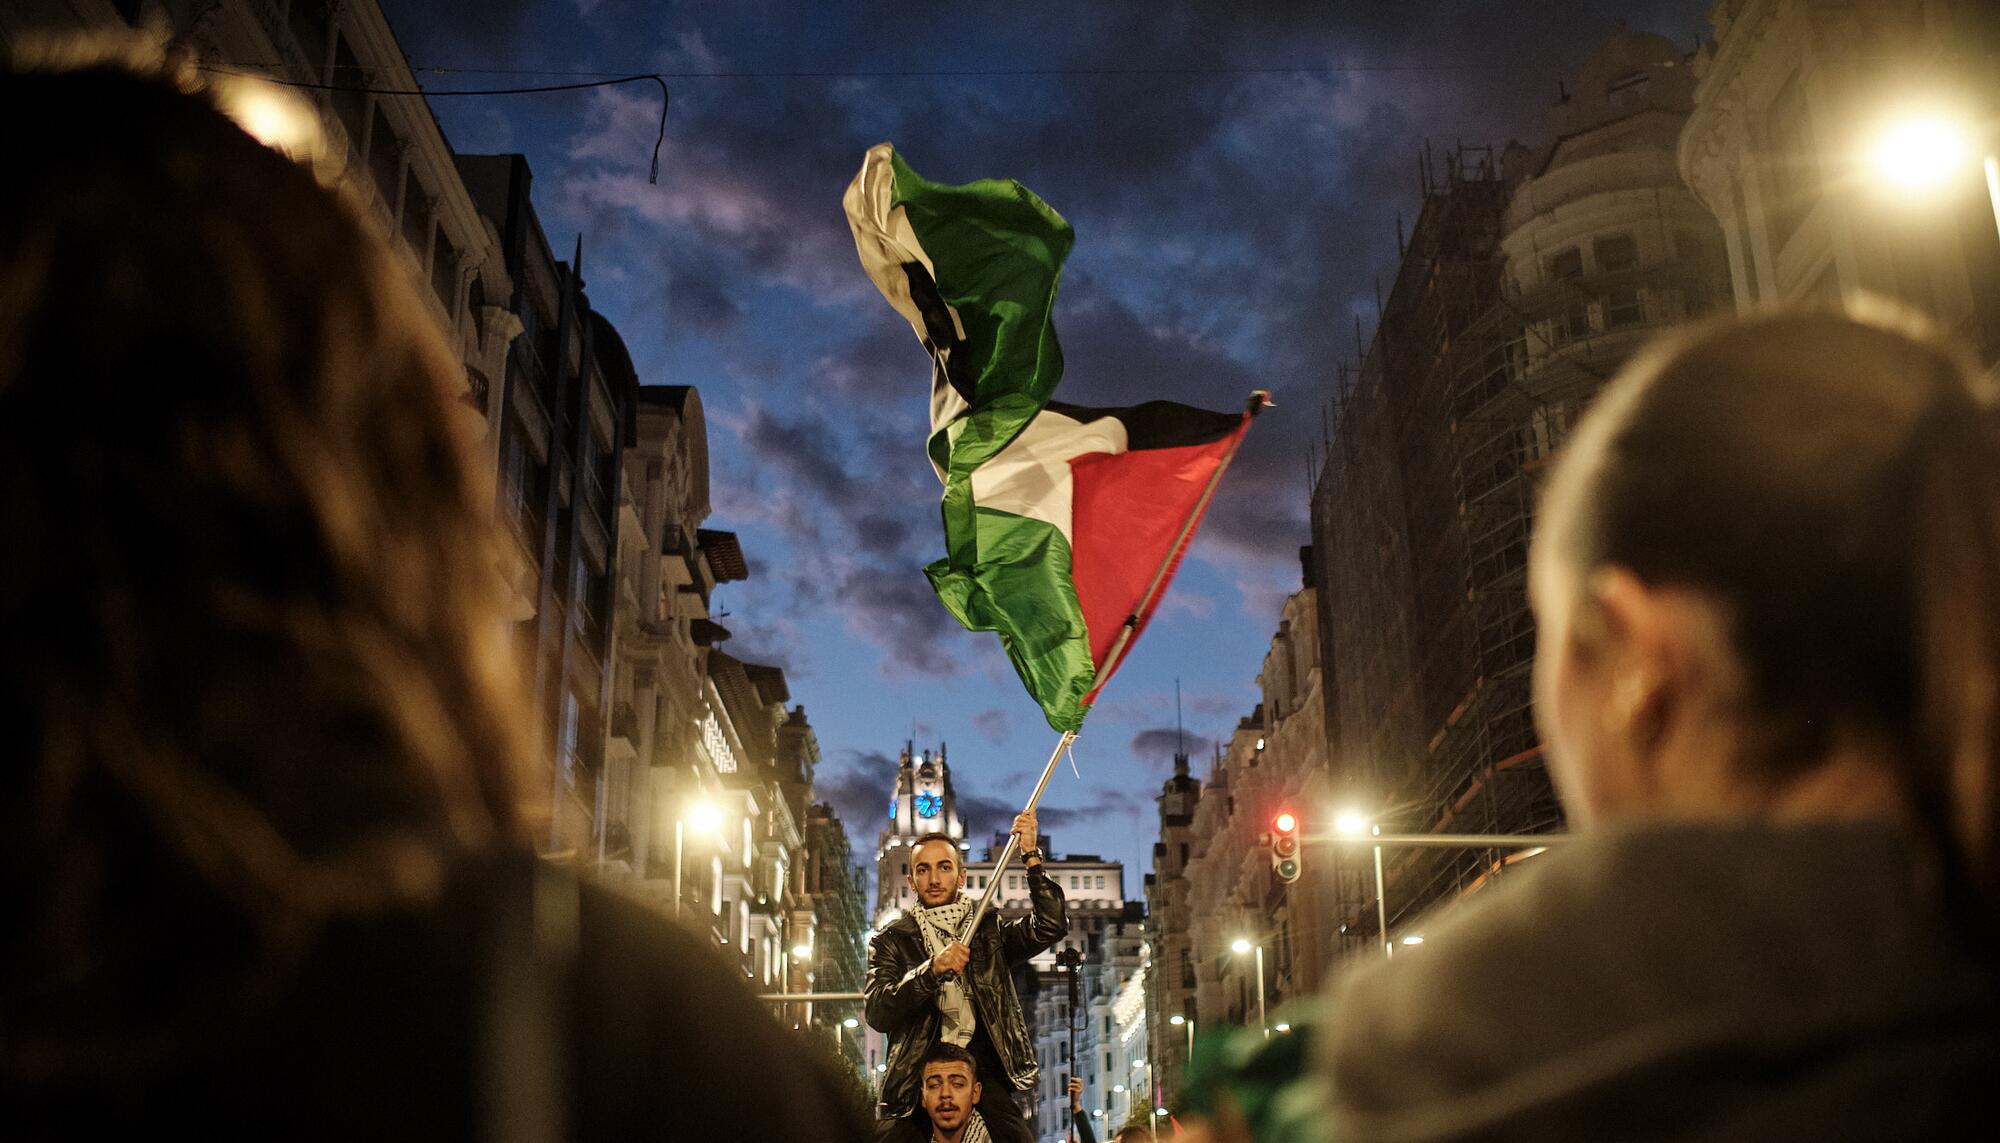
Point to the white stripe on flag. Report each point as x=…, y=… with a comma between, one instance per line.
x=1031, y=476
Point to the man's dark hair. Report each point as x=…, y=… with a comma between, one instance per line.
x=1130, y=1135
x=942, y=1053
x=931, y=837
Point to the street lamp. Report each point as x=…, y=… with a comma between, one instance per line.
x=1352, y=823
x=706, y=817
x=1925, y=150
x=1177, y=1020
x=850, y=1022
x=1240, y=946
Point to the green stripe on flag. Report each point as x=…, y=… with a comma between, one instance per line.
x=1022, y=588
x=994, y=252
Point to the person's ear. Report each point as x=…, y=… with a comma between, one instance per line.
x=975, y=1091
x=1647, y=654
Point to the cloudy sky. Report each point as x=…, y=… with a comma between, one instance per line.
x=1233, y=172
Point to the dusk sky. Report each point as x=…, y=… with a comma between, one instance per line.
x=1233, y=173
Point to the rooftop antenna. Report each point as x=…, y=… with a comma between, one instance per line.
x=1180, y=732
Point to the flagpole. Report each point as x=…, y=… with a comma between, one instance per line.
x=1259, y=399
x=1014, y=839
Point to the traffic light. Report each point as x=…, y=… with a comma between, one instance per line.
x=1285, y=846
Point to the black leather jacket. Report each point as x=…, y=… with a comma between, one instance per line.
x=902, y=991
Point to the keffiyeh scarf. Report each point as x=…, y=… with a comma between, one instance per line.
x=941, y=925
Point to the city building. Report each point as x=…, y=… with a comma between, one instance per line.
x=1107, y=936
x=1169, y=930
x=1524, y=285
x=834, y=885
x=565, y=408
x=922, y=802
x=1790, y=102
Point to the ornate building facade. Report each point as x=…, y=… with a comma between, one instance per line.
x=1777, y=148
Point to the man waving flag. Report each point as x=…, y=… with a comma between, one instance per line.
x=1062, y=524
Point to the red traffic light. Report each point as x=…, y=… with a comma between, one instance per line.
x=1284, y=839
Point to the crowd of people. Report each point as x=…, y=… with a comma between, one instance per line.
x=267, y=864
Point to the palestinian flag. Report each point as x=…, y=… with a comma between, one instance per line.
x=1062, y=524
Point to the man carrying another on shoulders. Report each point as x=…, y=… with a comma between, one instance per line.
x=928, y=987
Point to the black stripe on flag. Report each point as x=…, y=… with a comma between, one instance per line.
x=1159, y=424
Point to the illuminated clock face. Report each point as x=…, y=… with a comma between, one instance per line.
x=929, y=805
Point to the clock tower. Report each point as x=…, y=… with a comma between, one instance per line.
x=922, y=802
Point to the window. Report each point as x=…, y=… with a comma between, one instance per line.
x=1623, y=308
x=1568, y=264
x=310, y=27
x=715, y=885
x=743, y=926
x=1616, y=252
x=444, y=272
x=746, y=841
x=566, y=738
x=350, y=107
x=385, y=157
x=416, y=216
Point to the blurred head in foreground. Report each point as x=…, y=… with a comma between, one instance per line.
x=250, y=627
x=1766, y=579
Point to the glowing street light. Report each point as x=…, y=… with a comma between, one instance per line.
x=850, y=1022
x=1926, y=150
x=1239, y=946
x=706, y=818
x=1920, y=152
x=1350, y=823
x=802, y=950
x=1413, y=939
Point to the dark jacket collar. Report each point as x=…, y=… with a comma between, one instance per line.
x=1631, y=949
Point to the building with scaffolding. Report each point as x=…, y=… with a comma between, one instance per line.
x=1524, y=283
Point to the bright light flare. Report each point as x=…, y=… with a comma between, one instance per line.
x=850, y=1022
x=1177, y=1019
x=1413, y=939
x=1239, y=945
x=1281, y=1027
x=705, y=817
x=272, y=116
x=1921, y=152
x=1287, y=822
x=802, y=951
x=1350, y=823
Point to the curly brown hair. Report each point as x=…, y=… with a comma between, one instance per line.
x=254, y=671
